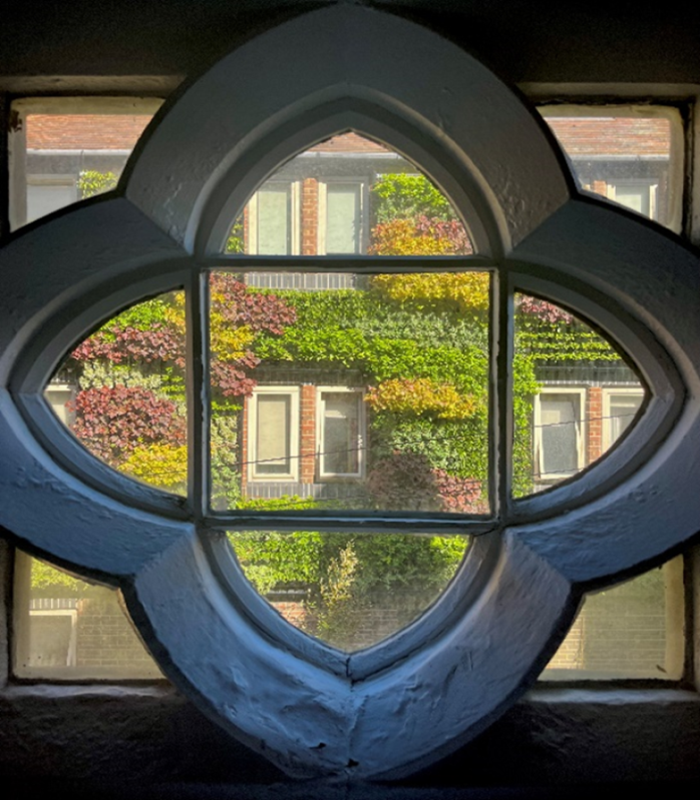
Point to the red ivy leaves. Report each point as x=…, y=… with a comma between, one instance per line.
x=231, y=376
x=449, y=230
x=232, y=303
x=160, y=342
x=112, y=422
x=238, y=306
x=407, y=481
x=545, y=311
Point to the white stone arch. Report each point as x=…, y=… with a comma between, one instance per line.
x=364, y=58
x=290, y=702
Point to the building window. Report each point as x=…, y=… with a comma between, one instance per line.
x=438, y=681
x=620, y=407
x=48, y=193
x=274, y=433
x=639, y=196
x=273, y=219
x=341, y=227
x=559, y=434
x=632, y=155
x=341, y=437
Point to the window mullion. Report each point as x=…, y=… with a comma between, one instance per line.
x=356, y=264
x=198, y=392
x=501, y=394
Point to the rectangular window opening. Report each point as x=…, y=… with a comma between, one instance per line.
x=63, y=149
x=632, y=155
x=634, y=630
x=69, y=629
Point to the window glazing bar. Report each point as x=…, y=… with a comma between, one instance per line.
x=198, y=392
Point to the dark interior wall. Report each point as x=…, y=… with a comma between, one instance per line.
x=127, y=737
x=523, y=41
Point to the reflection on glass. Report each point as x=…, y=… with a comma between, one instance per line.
x=634, y=630
x=574, y=395
x=72, y=629
x=624, y=158
x=73, y=156
x=121, y=392
x=348, y=196
x=349, y=590
x=367, y=394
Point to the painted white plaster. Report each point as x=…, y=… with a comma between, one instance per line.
x=345, y=53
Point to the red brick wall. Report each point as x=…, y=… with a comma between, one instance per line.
x=309, y=217
x=594, y=417
x=307, y=441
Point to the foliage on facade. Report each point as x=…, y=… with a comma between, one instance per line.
x=419, y=342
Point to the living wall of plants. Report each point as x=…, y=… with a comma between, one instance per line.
x=418, y=342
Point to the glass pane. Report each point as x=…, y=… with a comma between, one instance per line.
x=574, y=395
x=348, y=195
x=369, y=397
x=622, y=409
x=627, y=159
x=560, y=423
x=273, y=224
x=341, y=432
x=68, y=628
x=69, y=157
x=634, y=630
x=349, y=590
x=343, y=218
x=272, y=432
x=121, y=393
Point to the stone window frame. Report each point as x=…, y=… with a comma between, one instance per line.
x=515, y=230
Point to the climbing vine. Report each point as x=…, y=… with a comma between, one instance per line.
x=418, y=342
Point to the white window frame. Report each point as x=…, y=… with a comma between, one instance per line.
x=541, y=477
x=361, y=433
x=59, y=395
x=294, y=218
x=467, y=667
x=362, y=233
x=608, y=393
x=648, y=188
x=255, y=475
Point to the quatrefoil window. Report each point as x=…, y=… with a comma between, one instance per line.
x=386, y=710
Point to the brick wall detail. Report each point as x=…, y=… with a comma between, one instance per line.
x=309, y=217
x=594, y=420
x=307, y=435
